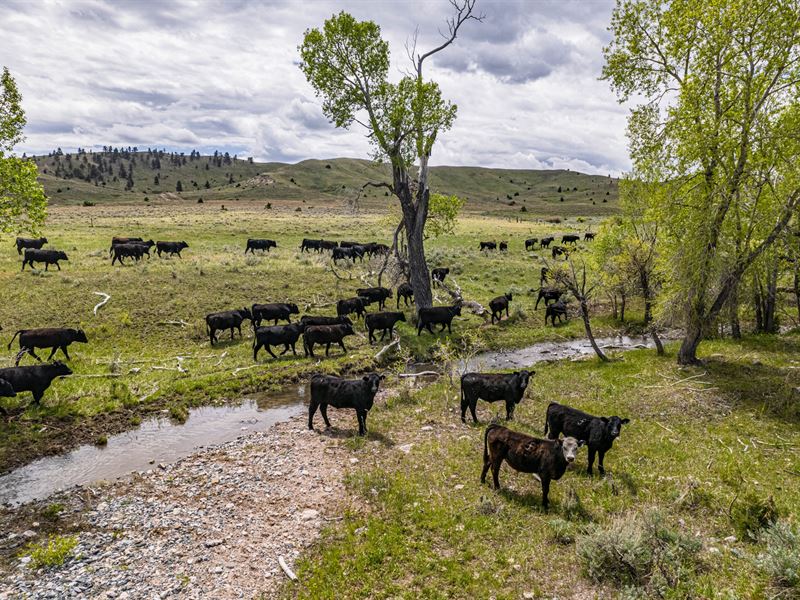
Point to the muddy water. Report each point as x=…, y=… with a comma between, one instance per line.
x=156, y=441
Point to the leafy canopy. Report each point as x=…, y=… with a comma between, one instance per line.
x=22, y=200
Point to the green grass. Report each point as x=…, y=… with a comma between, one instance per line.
x=696, y=449
x=52, y=552
x=129, y=368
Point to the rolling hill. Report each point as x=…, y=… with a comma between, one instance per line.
x=132, y=176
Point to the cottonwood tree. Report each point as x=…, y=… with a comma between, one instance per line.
x=718, y=127
x=22, y=201
x=347, y=64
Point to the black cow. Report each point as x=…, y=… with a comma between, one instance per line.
x=549, y=295
x=530, y=243
x=406, y=292
x=6, y=390
x=384, y=322
x=375, y=294
x=500, y=304
x=352, y=253
x=326, y=245
x=570, y=238
x=259, y=244
x=438, y=275
x=171, y=248
x=598, y=433
x=229, y=319
x=351, y=306
x=546, y=458
x=48, y=257
x=544, y=275
x=308, y=320
x=57, y=338
x=308, y=245
x=116, y=240
x=546, y=241
x=34, y=378
x=132, y=250
x=36, y=243
x=276, y=335
x=325, y=334
x=437, y=315
x=276, y=311
x=503, y=246
x=493, y=387
x=347, y=244
x=358, y=394
x=588, y=236
x=488, y=246
x=556, y=309
x=376, y=249
x=559, y=250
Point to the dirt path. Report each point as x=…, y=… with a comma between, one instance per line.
x=209, y=526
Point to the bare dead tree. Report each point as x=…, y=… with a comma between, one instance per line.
x=576, y=283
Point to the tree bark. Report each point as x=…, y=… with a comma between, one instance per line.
x=622, y=308
x=588, y=327
x=687, y=355
x=733, y=307
x=657, y=342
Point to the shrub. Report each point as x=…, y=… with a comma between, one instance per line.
x=563, y=531
x=753, y=513
x=51, y=552
x=781, y=557
x=52, y=511
x=88, y=203
x=638, y=550
x=101, y=440
x=179, y=413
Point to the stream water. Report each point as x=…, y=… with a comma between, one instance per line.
x=161, y=441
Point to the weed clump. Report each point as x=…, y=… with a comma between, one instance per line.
x=179, y=413
x=781, y=557
x=638, y=551
x=52, y=552
x=752, y=514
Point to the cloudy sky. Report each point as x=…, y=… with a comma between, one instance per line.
x=208, y=75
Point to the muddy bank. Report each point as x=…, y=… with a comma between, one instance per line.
x=209, y=526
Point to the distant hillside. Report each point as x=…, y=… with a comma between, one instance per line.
x=130, y=175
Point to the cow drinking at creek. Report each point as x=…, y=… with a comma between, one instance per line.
x=493, y=387
x=598, y=433
x=546, y=458
x=437, y=315
x=274, y=311
x=56, y=338
x=35, y=243
x=34, y=378
x=325, y=334
x=229, y=319
x=254, y=244
x=48, y=257
x=383, y=322
x=358, y=394
x=500, y=304
x=277, y=335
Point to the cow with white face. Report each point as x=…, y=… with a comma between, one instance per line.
x=548, y=459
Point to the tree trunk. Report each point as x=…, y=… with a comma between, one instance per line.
x=733, y=307
x=613, y=297
x=657, y=342
x=588, y=327
x=644, y=281
x=420, y=279
x=622, y=307
x=687, y=355
x=797, y=288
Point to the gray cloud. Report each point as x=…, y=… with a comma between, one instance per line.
x=186, y=74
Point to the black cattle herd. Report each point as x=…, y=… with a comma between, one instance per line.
x=547, y=458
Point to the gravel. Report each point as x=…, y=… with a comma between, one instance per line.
x=209, y=526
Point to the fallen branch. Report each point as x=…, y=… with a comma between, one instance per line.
x=455, y=294
x=106, y=298
x=387, y=347
x=237, y=370
x=420, y=374
x=289, y=573
x=180, y=323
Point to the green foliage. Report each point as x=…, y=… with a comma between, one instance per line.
x=780, y=559
x=52, y=552
x=179, y=413
x=22, y=200
x=752, y=513
x=442, y=214
x=52, y=511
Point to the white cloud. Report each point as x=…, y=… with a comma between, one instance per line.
x=189, y=74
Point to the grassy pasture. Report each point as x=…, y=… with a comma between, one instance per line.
x=120, y=375
x=701, y=444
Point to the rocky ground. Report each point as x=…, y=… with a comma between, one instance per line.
x=212, y=525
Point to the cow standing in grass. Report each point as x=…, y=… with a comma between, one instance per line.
x=55, y=338
x=229, y=319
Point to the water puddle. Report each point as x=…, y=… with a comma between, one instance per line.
x=155, y=441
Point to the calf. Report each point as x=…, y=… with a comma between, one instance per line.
x=375, y=294
x=115, y=241
x=544, y=275
x=438, y=275
x=570, y=238
x=406, y=292
x=276, y=311
x=308, y=320
x=343, y=393
x=530, y=243
x=276, y=335
x=36, y=243
x=503, y=246
x=598, y=433
x=57, y=338
x=500, y=304
x=325, y=334
x=132, y=250
x=493, y=387
x=171, y=248
x=588, y=236
x=546, y=458
x=376, y=249
x=350, y=306
x=308, y=245
x=546, y=241
x=383, y=321
x=48, y=257
x=35, y=378
x=229, y=319
x=549, y=295
x=437, y=315
x=258, y=244
x=556, y=309
x=326, y=245
x=488, y=246
x=560, y=250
